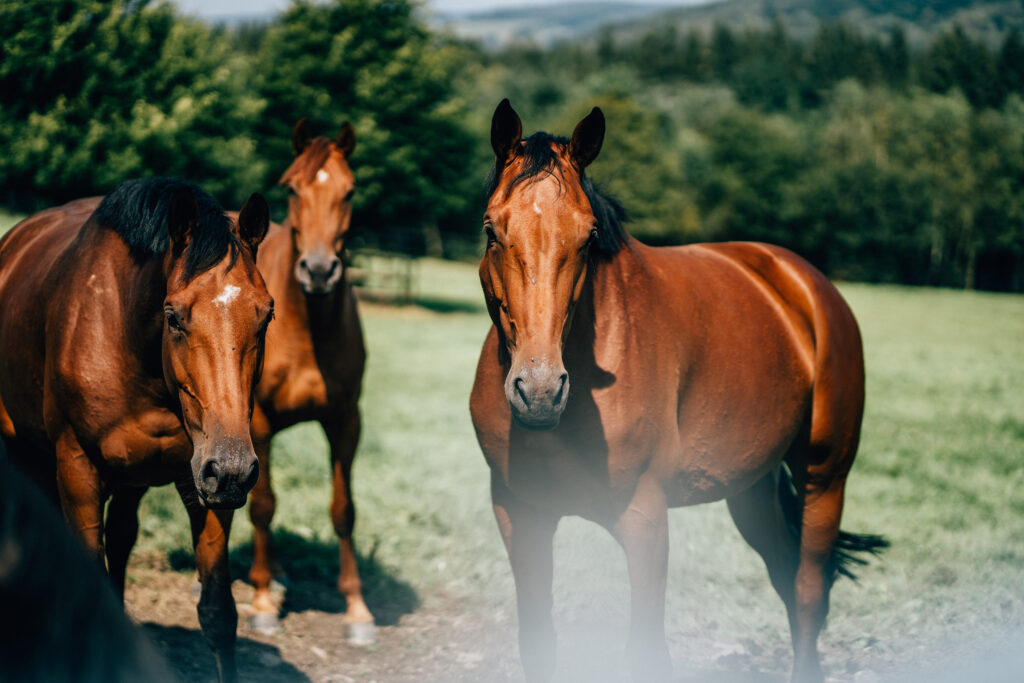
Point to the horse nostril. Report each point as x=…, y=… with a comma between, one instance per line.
x=211, y=475
x=253, y=476
x=519, y=383
x=562, y=381
x=303, y=264
x=334, y=267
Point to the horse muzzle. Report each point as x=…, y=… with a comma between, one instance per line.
x=318, y=273
x=224, y=479
x=537, y=394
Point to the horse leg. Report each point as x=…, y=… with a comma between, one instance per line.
x=262, y=504
x=121, y=532
x=217, y=615
x=81, y=493
x=343, y=436
x=761, y=516
x=823, y=507
x=642, y=530
x=529, y=535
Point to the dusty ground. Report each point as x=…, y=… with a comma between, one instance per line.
x=439, y=641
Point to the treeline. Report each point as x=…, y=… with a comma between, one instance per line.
x=876, y=161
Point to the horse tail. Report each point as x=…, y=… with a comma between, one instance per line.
x=849, y=549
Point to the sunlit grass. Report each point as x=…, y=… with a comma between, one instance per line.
x=939, y=473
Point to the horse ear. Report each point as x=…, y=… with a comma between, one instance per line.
x=301, y=136
x=506, y=130
x=182, y=216
x=587, y=139
x=346, y=140
x=253, y=221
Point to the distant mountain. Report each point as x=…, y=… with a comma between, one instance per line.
x=542, y=25
x=920, y=19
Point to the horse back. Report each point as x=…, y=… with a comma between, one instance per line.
x=31, y=260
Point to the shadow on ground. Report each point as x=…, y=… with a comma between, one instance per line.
x=190, y=658
x=441, y=305
x=311, y=573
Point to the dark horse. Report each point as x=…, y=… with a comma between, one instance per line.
x=132, y=337
x=315, y=356
x=698, y=373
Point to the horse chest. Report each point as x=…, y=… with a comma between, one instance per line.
x=146, y=448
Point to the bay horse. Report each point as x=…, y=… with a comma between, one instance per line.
x=697, y=373
x=315, y=357
x=132, y=334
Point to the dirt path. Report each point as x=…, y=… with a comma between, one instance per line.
x=439, y=641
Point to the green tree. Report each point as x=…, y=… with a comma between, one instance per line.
x=373, y=63
x=92, y=93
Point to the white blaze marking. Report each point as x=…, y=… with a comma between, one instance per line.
x=228, y=295
x=536, y=209
x=322, y=176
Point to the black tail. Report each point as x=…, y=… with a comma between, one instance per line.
x=844, y=554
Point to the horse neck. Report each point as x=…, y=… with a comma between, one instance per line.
x=603, y=302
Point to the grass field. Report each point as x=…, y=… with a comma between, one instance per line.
x=939, y=472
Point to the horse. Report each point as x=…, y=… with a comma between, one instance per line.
x=697, y=373
x=45, y=613
x=132, y=334
x=315, y=358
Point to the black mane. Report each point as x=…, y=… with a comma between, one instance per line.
x=540, y=157
x=137, y=210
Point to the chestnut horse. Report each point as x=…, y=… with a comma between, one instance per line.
x=315, y=356
x=132, y=334
x=697, y=373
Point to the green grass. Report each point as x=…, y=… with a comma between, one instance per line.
x=939, y=472
x=8, y=220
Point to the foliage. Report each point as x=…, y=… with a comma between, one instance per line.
x=876, y=156
x=92, y=93
x=372, y=62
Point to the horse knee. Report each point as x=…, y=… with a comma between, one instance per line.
x=261, y=509
x=343, y=515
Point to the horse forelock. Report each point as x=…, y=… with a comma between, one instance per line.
x=543, y=154
x=138, y=211
x=305, y=166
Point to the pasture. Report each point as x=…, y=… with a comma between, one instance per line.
x=939, y=473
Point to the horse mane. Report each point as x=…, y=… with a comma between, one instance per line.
x=540, y=157
x=137, y=210
x=311, y=160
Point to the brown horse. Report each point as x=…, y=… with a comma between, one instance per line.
x=132, y=337
x=315, y=356
x=697, y=373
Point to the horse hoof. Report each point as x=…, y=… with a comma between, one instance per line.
x=265, y=624
x=361, y=633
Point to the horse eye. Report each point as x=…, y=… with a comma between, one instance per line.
x=291, y=191
x=173, y=320
x=351, y=193
x=593, y=236
x=490, y=233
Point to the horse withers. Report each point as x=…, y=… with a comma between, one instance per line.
x=315, y=358
x=132, y=332
x=619, y=380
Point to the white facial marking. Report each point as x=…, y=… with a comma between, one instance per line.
x=536, y=209
x=227, y=295
x=322, y=176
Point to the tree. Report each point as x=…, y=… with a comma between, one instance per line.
x=373, y=63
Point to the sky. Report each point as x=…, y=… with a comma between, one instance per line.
x=215, y=8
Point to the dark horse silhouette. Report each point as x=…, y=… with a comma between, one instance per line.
x=697, y=373
x=132, y=336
